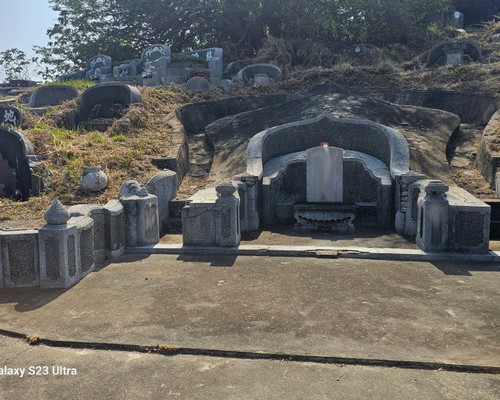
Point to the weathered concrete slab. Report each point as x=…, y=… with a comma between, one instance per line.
x=116, y=375
x=440, y=312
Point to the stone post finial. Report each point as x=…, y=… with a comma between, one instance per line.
x=226, y=189
x=56, y=214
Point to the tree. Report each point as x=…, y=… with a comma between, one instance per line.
x=14, y=64
x=123, y=28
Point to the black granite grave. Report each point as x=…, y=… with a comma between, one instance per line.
x=17, y=151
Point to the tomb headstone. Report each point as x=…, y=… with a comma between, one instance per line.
x=10, y=115
x=325, y=173
x=453, y=53
x=52, y=95
x=214, y=57
x=261, y=79
x=197, y=84
x=156, y=59
x=106, y=100
x=248, y=73
x=97, y=66
x=18, y=152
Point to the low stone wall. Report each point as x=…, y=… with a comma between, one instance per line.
x=466, y=227
x=212, y=218
x=66, y=249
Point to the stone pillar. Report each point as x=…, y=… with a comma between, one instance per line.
x=62, y=246
x=97, y=214
x=497, y=183
x=19, y=265
x=432, y=223
x=402, y=185
x=115, y=229
x=164, y=186
x=250, y=216
x=141, y=211
x=228, y=232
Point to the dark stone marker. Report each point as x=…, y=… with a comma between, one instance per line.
x=10, y=115
x=17, y=151
x=106, y=100
x=52, y=95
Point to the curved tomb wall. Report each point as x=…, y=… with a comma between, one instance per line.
x=363, y=136
x=474, y=108
x=107, y=100
x=52, y=95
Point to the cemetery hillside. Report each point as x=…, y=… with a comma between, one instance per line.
x=358, y=50
x=242, y=199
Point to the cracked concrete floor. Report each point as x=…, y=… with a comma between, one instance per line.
x=358, y=309
x=113, y=375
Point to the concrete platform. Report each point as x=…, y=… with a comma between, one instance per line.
x=109, y=375
x=355, y=309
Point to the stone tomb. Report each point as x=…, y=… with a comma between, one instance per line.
x=259, y=74
x=214, y=58
x=17, y=160
x=156, y=59
x=52, y=95
x=106, y=100
x=99, y=66
x=453, y=53
x=10, y=115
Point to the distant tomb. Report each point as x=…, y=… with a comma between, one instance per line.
x=156, y=59
x=453, y=53
x=106, y=100
x=99, y=66
x=214, y=58
x=258, y=74
x=10, y=115
x=52, y=95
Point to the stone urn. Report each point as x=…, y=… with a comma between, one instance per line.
x=93, y=179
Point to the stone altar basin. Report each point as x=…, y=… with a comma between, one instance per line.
x=325, y=217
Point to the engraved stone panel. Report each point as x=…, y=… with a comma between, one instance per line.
x=52, y=258
x=325, y=176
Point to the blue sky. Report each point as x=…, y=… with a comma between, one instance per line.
x=24, y=23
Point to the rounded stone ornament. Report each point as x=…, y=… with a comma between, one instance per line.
x=93, y=179
x=56, y=214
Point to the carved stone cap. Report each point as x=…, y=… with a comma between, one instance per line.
x=56, y=214
x=436, y=188
x=132, y=188
x=226, y=189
